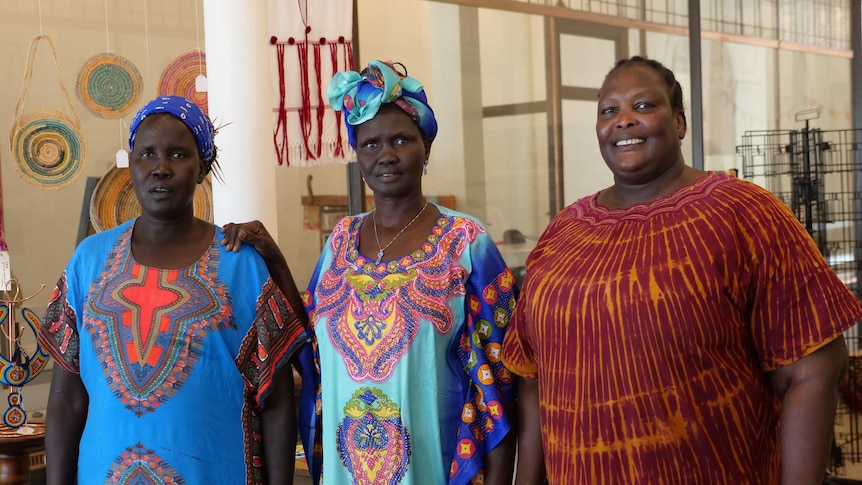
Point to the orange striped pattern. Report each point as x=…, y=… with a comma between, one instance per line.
x=649, y=330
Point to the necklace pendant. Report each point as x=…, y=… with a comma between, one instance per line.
x=379, y=256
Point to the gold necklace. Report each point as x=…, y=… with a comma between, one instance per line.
x=380, y=250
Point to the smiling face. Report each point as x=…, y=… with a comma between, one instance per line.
x=165, y=168
x=639, y=131
x=391, y=153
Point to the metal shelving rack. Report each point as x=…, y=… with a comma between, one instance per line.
x=817, y=174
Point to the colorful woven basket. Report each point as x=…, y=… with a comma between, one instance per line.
x=47, y=145
x=109, y=85
x=178, y=78
x=114, y=201
x=48, y=148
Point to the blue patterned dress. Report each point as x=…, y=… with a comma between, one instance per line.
x=176, y=362
x=412, y=388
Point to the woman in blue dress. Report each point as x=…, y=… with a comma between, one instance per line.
x=172, y=354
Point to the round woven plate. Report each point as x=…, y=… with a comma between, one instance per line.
x=114, y=201
x=48, y=149
x=178, y=77
x=109, y=85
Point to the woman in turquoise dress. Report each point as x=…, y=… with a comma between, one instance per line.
x=408, y=305
x=171, y=354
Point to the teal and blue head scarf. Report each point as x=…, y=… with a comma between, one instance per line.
x=189, y=113
x=360, y=95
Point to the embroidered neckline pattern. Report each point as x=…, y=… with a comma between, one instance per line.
x=701, y=188
x=425, y=251
x=382, y=249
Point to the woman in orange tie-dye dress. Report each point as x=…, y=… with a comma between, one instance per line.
x=671, y=322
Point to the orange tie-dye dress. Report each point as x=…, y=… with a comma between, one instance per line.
x=650, y=330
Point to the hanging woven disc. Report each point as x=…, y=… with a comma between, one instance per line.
x=178, y=78
x=48, y=148
x=109, y=85
x=114, y=201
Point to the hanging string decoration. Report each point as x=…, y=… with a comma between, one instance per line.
x=47, y=146
x=114, y=201
x=178, y=78
x=109, y=85
x=311, y=42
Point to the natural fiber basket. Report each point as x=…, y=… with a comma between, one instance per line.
x=114, y=201
x=109, y=85
x=48, y=148
x=178, y=78
x=46, y=144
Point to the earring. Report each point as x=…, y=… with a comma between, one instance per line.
x=426, y=167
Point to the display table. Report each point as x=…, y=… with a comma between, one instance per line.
x=15, y=450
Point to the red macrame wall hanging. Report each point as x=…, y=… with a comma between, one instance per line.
x=311, y=41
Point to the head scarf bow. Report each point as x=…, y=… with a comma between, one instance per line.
x=189, y=113
x=360, y=95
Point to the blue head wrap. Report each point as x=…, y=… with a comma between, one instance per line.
x=360, y=95
x=187, y=112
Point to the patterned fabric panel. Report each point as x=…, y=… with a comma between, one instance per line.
x=479, y=352
x=373, y=443
x=59, y=333
x=373, y=311
x=275, y=335
x=141, y=466
x=149, y=324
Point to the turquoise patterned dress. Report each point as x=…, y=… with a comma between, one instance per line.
x=177, y=363
x=411, y=389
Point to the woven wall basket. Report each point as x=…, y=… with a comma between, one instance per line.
x=178, y=78
x=47, y=145
x=48, y=148
x=109, y=85
x=114, y=201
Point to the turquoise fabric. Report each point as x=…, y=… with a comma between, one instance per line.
x=360, y=95
x=411, y=387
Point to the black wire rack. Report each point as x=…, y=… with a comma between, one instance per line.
x=817, y=174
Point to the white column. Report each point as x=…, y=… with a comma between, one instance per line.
x=237, y=50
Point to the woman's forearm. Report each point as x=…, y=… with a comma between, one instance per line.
x=531, y=455
x=279, y=429
x=64, y=425
x=500, y=461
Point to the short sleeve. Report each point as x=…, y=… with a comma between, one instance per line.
x=58, y=335
x=489, y=301
x=276, y=333
x=797, y=302
x=309, y=297
x=518, y=355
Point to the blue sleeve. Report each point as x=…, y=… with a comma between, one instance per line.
x=490, y=300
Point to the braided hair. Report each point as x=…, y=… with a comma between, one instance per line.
x=666, y=74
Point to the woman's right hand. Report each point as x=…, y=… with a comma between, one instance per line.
x=253, y=233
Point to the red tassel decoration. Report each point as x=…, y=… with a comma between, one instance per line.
x=305, y=92
x=282, y=151
x=320, y=106
x=339, y=142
